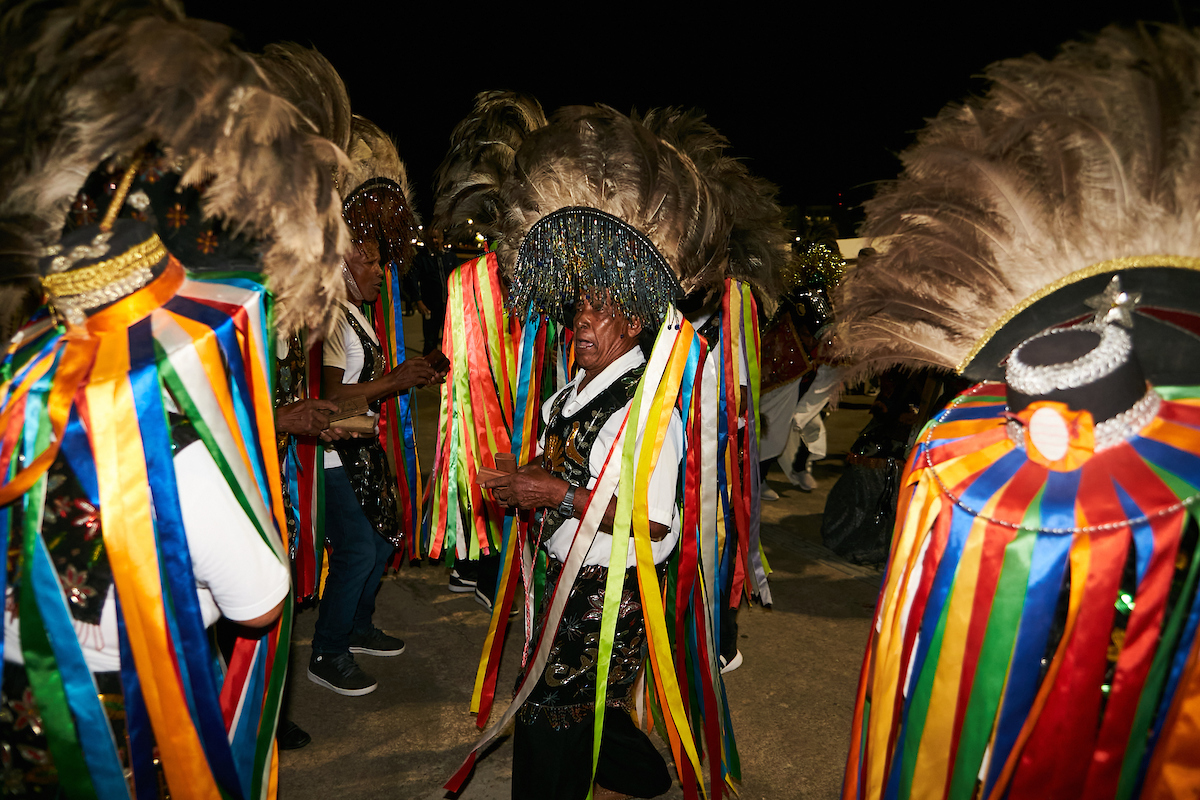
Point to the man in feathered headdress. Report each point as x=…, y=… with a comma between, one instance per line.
x=1036, y=632
x=597, y=220
x=144, y=496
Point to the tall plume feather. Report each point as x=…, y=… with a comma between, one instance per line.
x=1066, y=163
x=482, y=150
x=306, y=79
x=745, y=207
x=372, y=154
x=94, y=78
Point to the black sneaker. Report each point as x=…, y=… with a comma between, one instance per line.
x=460, y=584
x=487, y=603
x=376, y=643
x=339, y=673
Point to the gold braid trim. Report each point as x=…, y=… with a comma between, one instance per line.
x=114, y=207
x=99, y=275
x=1128, y=262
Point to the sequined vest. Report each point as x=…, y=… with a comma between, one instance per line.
x=569, y=439
x=364, y=460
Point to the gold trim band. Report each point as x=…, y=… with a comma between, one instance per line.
x=1128, y=262
x=103, y=273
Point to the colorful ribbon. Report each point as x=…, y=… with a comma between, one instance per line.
x=207, y=344
x=1035, y=620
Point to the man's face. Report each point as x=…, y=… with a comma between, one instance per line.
x=364, y=266
x=602, y=335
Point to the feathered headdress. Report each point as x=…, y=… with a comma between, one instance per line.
x=759, y=241
x=377, y=195
x=1015, y=208
x=591, y=174
x=92, y=79
x=483, y=148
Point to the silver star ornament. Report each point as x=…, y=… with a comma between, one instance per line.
x=1114, y=304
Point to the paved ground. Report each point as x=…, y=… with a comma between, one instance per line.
x=791, y=701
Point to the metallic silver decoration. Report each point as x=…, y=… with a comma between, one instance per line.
x=1114, y=305
x=1114, y=350
x=1129, y=422
x=577, y=250
x=139, y=200
x=74, y=306
x=1111, y=432
x=97, y=250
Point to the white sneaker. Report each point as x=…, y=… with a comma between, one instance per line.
x=730, y=666
x=765, y=492
x=805, y=482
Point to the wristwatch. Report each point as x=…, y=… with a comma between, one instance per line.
x=567, y=506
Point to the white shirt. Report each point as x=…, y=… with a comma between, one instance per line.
x=343, y=350
x=237, y=573
x=661, y=490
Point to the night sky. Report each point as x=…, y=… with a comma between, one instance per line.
x=819, y=98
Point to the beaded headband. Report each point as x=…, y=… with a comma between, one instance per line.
x=76, y=291
x=378, y=211
x=579, y=251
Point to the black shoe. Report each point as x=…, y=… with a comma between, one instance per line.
x=339, y=673
x=290, y=736
x=376, y=643
x=460, y=584
x=487, y=603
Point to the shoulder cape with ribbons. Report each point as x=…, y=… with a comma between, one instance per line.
x=96, y=395
x=1036, y=629
x=683, y=690
x=499, y=370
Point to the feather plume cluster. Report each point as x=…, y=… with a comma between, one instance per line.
x=759, y=242
x=483, y=147
x=306, y=79
x=666, y=174
x=1066, y=163
x=372, y=154
x=596, y=157
x=86, y=80
x=377, y=196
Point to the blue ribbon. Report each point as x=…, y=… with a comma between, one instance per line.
x=223, y=326
x=200, y=679
x=404, y=407
x=137, y=720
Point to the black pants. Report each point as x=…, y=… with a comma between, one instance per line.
x=550, y=763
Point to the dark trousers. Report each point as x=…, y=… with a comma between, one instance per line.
x=551, y=762
x=356, y=563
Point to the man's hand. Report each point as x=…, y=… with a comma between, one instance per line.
x=412, y=372
x=424, y=309
x=528, y=487
x=305, y=417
